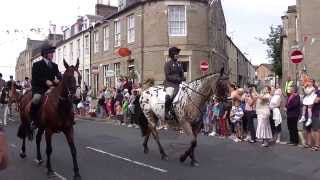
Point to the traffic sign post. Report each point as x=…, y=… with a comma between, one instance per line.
x=296, y=58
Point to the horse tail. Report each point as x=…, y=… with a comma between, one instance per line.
x=140, y=118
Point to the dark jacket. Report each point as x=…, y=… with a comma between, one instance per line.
x=174, y=74
x=293, y=107
x=41, y=73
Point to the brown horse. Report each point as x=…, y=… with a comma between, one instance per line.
x=55, y=115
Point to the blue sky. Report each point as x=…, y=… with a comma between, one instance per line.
x=246, y=19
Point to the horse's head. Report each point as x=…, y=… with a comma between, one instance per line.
x=69, y=79
x=222, y=85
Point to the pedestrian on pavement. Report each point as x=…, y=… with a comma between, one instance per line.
x=293, y=112
x=308, y=100
x=316, y=121
x=275, y=103
x=3, y=150
x=288, y=86
x=236, y=115
x=250, y=113
x=263, y=112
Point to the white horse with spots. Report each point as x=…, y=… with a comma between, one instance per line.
x=187, y=106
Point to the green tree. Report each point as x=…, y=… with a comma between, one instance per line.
x=274, y=44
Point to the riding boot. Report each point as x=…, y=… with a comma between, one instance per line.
x=167, y=107
x=33, y=116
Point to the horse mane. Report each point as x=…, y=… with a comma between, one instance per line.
x=148, y=83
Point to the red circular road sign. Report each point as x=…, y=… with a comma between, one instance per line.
x=124, y=52
x=296, y=56
x=204, y=66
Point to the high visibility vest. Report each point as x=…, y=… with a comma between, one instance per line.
x=288, y=86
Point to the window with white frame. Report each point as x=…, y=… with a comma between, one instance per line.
x=87, y=77
x=78, y=48
x=177, y=25
x=86, y=41
x=96, y=41
x=116, y=73
x=106, y=78
x=130, y=26
x=117, y=34
x=106, y=38
x=71, y=53
x=64, y=52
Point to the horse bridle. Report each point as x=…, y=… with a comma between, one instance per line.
x=69, y=92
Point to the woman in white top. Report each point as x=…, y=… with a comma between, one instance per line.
x=275, y=103
x=263, y=112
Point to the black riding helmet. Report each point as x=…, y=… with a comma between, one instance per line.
x=46, y=49
x=173, y=51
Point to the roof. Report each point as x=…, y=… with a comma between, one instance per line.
x=94, y=17
x=268, y=66
x=292, y=9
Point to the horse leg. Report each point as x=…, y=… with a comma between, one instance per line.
x=155, y=134
x=70, y=138
x=190, y=152
x=23, y=148
x=50, y=172
x=38, y=141
x=145, y=142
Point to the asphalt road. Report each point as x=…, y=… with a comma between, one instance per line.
x=106, y=151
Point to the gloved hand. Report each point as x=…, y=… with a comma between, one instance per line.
x=49, y=83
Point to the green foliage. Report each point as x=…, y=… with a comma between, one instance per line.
x=274, y=48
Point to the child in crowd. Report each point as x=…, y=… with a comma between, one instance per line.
x=236, y=115
x=119, y=112
x=125, y=110
x=308, y=101
x=109, y=107
x=207, y=118
x=214, y=117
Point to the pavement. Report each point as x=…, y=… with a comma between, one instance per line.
x=107, y=151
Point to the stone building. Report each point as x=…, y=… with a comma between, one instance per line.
x=265, y=75
x=135, y=27
x=300, y=31
x=242, y=71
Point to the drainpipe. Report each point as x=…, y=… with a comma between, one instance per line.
x=142, y=44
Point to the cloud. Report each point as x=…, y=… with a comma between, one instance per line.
x=249, y=19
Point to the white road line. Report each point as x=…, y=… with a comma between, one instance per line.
x=59, y=176
x=13, y=145
x=128, y=160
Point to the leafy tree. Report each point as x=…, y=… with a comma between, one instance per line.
x=274, y=48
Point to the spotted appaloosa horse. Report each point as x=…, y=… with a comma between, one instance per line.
x=187, y=106
x=55, y=115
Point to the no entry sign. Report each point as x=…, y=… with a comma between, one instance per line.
x=204, y=66
x=296, y=56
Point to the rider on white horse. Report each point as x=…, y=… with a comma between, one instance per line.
x=174, y=75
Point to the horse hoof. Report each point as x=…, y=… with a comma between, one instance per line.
x=164, y=157
x=39, y=162
x=182, y=158
x=23, y=155
x=77, y=177
x=195, y=164
x=146, y=150
x=51, y=174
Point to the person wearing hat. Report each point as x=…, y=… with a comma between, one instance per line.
x=174, y=75
x=45, y=74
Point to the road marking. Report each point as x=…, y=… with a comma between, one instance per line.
x=13, y=145
x=128, y=160
x=59, y=176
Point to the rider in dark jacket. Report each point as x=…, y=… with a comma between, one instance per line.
x=174, y=75
x=45, y=74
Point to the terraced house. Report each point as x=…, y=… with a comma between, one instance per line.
x=148, y=28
